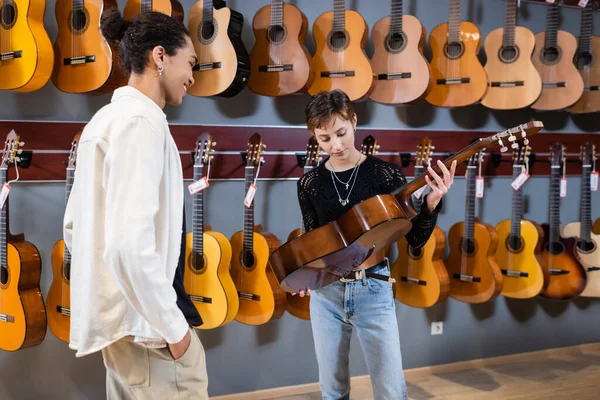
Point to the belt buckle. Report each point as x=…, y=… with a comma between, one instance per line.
x=357, y=276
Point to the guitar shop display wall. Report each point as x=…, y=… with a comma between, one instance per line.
x=510, y=267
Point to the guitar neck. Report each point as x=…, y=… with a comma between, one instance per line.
x=276, y=12
x=454, y=22
x=551, y=27
x=198, y=214
x=77, y=5
x=585, y=209
x=207, y=10
x=587, y=28
x=418, y=201
x=510, y=21
x=69, y=186
x=146, y=6
x=306, y=169
x=339, y=15
x=470, y=206
x=517, y=206
x=248, y=216
x=3, y=222
x=555, y=204
x=396, y=17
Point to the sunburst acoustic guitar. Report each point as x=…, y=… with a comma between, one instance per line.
x=559, y=260
x=26, y=53
x=421, y=276
x=587, y=243
x=519, y=241
x=261, y=298
x=23, y=320
x=474, y=273
x=208, y=254
x=59, y=296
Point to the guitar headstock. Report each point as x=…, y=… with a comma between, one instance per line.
x=369, y=146
x=313, y=152
x=204, y=145
x=475, y=159
x=254, y=150
x=423, y=154
x=588, y=153
x=73, y=153
x=557, y=154
x=11, y=149
x=521, y=154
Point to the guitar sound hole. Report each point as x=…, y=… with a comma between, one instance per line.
x=415, y=253
x=67, y=271
x=78, y=20
x=514, y=243
x=197, y=261
x=338, y=40
x=276, y=33
x=585, y=246
x=9, y=16
x=583, y=59
x=550, y=54
x=454, y=50
x=509, y=54
x=248, y=260
x=468, y=246
x=208, y=30
x=555, y=248
x=396, y=41
x=3, y=275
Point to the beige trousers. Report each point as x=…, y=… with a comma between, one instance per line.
x=134, y=371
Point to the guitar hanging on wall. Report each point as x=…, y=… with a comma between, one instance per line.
x=172, y=8
x=23, y=320
x=59, y=295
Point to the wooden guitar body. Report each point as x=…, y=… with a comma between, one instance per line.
x=273, y=48
x=225, y=47
x=23, y=315
x=421, y=278
x=59, y=296
x=560, y=70
x=168, y=7
x=480, y=264
x=504, y=68
x=521, y=260
x=400, y=60
x=30, y=69
x=209, y=283
x=567, y=277
x=261, y=299
x=590, y=258
x=589, y=101
x=298, y=306
x=81, y=73
x=466, y=66
x=596, y=227
x=351, y=60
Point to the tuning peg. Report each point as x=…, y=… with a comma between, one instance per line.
x=214, y=144
x=503, y=148
x=515, y=145
x=264, y=146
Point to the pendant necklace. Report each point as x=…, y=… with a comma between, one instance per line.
x=344, y=202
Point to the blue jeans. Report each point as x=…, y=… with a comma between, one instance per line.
x=368, y=305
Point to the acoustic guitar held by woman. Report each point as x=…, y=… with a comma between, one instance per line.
x=279, y=60
x=340, y=61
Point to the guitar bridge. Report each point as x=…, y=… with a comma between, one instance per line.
x=336, y=74
x=249, y=296
x=7, y=318
x=554, y=85
x=507, y=84
x=515, y=274
x=201, y=299
x=79, y=60
x=394, y=76
x=207, y=66
x=275, y=68
x=413, y=281
x=63, y=310
x=555, y=271
x=11, y=55
x=591, y=88
x=453, y=81
x=466, y=278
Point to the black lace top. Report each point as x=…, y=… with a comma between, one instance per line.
x=319, y=201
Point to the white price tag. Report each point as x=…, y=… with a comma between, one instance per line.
x=520, y=180
x=250, y=195
x=198, y=186
x=419, y=192
x=594, y=181
x=563, y=187
x=583, y=3
x=479, y=187
x=550, y=1
x=4, y=194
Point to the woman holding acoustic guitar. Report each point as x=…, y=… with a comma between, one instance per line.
x=364, y=299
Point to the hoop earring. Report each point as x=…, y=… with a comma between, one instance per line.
x=160, y=70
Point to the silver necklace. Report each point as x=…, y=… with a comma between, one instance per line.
x=351, y=175
x=343, y=202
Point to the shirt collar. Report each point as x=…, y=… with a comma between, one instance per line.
x=130, y=91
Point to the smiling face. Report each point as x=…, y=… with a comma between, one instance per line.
x=177, y=74
x=336, y=138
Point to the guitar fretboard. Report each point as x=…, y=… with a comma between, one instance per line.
x=587, y=28
x=339, y=15
x=552, y=26
x=277, y=12
x=248, y=217
x=454, y=22
x=555, y=204
x=470, y=207
x=69, y=186
x=510, y=21
x=207, y=11
x=418, y=201
x=146, y=6
x=198, y=214
x=77, y=5
x=585, y=209
x=517, y=205
x=396, y=17
x=3, y=222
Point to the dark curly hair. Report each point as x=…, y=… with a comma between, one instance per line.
x=325, y=105
x=140, y=35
